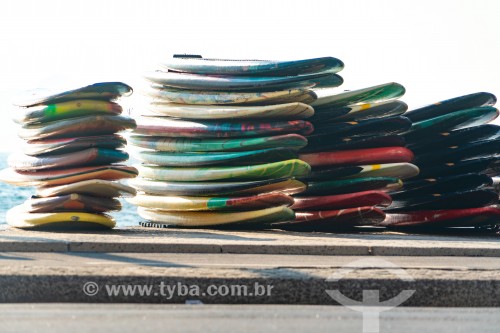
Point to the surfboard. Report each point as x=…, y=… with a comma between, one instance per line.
x=212, y=219
x=455, y=183
x=66, y=176
x=396, y=170
x=196, y=82
x=167, y=127
x=342, y=201
x=289, y=141
x=375, y=94
x=250, y=157
x=484, y=165
x=456, y=137
x=183, y=203
x=87, y=157
x=452, y=121
x=288, y=168
x=68, y=145
x=449, y=200
x=209, y=66
x=461, y=152
x=99, y=91
x=344, y=186
x=210, y=112
x=18, y=217
x=349, y=143
x=80, y=126
x=326, y=220
x=65, y=110
x=444, y=218
x=230, y=98
x=360, y=111
x=283, y=185
x=72, y=202
x=329, y=173
x=452, y=105
x=382, y=126
x=358, y=156
x=92, y=187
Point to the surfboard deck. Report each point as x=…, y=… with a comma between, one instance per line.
x=184, y=203
x=209, y=66
x=485, y=165
x=66, y=176
x=455, y=183
x=464, y=151
x=331, y=187
x=65, y=110
x=80, y=126
x=288, y=168
x=68, y=145
x=452, y=121
x=92, y=187
x=18, y=217
x=159, y=94
x=226, y=83
x=358, y=157
x=342, y=201
x=452, y=105
x=176, y=128
x=209, y=112
x=283, y=185
x=99, y=91
x=396, y=170
x=360, y=111
x=444, y=218
x=326, y=220
x=289, y=141
x=375, y=94
x=183, y=159
x=349, y=143
x=214, y=219
x=449, y=200
x=383, y=126
x=87, y=157
x=72, y=202
x=453, y=138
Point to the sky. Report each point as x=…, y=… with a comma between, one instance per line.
x=437, y=49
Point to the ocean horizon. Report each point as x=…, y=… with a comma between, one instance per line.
x=11, y=196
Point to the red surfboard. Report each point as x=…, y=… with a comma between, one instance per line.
x=339, y=201
x=445, y=218
x=359, y=156
x=334, y=219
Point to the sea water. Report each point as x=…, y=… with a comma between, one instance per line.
x=11, y=196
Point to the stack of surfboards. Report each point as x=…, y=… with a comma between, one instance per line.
x=458, y=153
x=71, y=154
x=219, y=144
x=357, y=155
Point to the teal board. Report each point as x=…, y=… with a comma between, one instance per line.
x=210, y=66
x=226, y=158
x=99, y=91
x=289, y=141
x=288, y=168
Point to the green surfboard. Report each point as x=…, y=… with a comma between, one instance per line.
x=288, y=168
x=290, y=141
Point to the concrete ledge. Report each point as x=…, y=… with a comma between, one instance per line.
x=62, y=277
x=143, y=240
